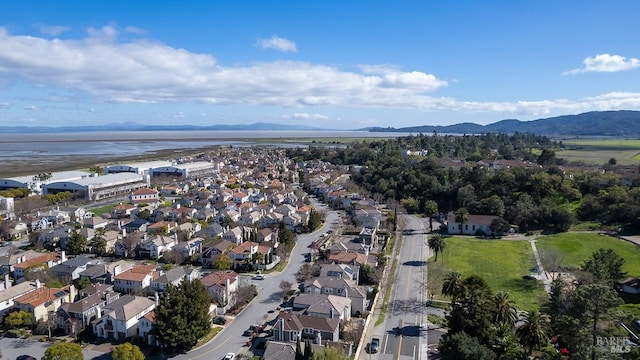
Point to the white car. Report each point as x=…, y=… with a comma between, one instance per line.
x=258, y=277
x=229, y=356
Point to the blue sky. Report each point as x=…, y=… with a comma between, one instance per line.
x=329, y=64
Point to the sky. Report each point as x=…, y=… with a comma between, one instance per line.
x=330, y=64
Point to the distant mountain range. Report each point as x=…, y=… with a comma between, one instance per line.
x=623, y=123
x=132, y=126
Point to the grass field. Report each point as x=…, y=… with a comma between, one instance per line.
x=578, y=247
x=626, y=152
x=502, y=263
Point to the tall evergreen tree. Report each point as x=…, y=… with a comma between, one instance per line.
x=182, y=317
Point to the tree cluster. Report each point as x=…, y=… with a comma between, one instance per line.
x=533, y=198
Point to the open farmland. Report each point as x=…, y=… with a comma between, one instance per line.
x=598, y=152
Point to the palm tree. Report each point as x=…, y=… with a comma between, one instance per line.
x=532, y=333
x=453, y=286
x=462, y=216
x=437, y=244
x=505, y=312
x=431, y=209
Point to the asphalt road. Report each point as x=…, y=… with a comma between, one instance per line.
x=403, y=335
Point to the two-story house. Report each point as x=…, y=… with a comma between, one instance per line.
x=332, y=285
x=45, y=300
x=222, y=287
x=290, y=327
x=135, y=280
x=121, y=318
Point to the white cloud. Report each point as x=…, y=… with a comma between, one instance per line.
x=5, y=104
x=135, y=30
x=151, y=72
x=179, y=115
x=606, y=63
x=31, y=107
x=53, y=30
x=278, y=44
x=305, y=116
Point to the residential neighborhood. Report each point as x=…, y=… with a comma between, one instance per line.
x=218, y=223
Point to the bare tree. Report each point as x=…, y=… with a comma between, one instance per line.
x=307, y=271
x=352, y=329
x=285, y=285
x=435, y=278
x=173, y=257
x=245, y=293
x=552, y=260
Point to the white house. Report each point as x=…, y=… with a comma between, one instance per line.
x=120, y=319
x=473, y=225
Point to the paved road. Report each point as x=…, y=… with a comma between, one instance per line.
x=402, y=335
x=269, y=297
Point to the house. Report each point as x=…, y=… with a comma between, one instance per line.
x=144, y=196
x=321, y=305
x=265, y=235
x=222, y=287
x=71, y=268
x=279, y=351
x=631, y=285
x=189, y=228
x=162, y=227
x=146, y=330
x=475, y=224
x=44, y=300
x=39, y=263
x=173, y=277
x=95, y=222
x=348, y=258
x=122, y=211
x=55, y=237
x=189, y=248
x=331, y=285
x=77, y=316
x=136, y=280
x=137, y=225
x=213, y=249
x=349, y=272
x=12, y=292
x=211, y=231
x=290, y=327
x=8, y=261
x=155, y=247
x=234, y=235
x=243, y=253
x=121, y=318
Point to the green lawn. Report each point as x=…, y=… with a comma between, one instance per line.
x=102, y=210
x=502, y=263
x=578, y=247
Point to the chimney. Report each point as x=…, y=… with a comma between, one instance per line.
x=319, y=338
x=156, y=298
x=63, y=256
x=7, y=282
x=38, y=285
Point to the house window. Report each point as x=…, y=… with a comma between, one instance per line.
x=308, y=330
x=339, y=291
x=473, y=227
x=466, y=227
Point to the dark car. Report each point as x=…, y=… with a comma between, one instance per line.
x=375, y=345
x=219, y=320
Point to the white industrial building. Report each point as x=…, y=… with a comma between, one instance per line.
x=141, y=168
x=185, y=171
x=100, y=187
x=29, y=182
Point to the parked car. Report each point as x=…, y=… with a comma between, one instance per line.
x=219, y=320
x=258, y=277
x=375, y=345
x=229, y=356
